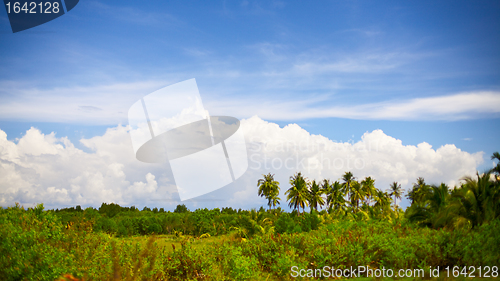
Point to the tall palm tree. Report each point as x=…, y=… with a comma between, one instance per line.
x=348, y=179
x=382, y=202
x=275, y=200
x=382, y=199
x=269, y=188
x=316, y=196
x=419, y=192
x=298, y=194
x=335, y=197
x=356, y=194
x=326, y=186
x=396, y=191
x=430, y=211
x=477, y=201
x=496, y=170
x=368, y=187
x=438, y=200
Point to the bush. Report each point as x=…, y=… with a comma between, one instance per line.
x=28, y=247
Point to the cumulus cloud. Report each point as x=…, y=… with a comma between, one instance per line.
x=284, y=151
x=44, y=168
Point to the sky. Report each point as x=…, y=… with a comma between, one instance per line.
x=393, y=90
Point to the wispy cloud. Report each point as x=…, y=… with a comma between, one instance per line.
x=109, y=104
x=134, y=15
x=462, y=106
x=106, y=104
x=376, y=62
x=196, y=52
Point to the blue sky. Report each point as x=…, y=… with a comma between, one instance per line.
x=420, y=71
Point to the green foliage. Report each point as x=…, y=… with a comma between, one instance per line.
x=461, y=228
x=288, y=223
x=298, y=194
x=45, y=250
x=270, y=189
x=475, y=202
x=181, y=209
x=28, y=247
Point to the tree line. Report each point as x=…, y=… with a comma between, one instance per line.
x=475, y=201
x=339, y=197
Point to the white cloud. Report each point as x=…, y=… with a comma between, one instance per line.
x=104, y=104
x=284, y=151
x=462, y=106
x=43, y=168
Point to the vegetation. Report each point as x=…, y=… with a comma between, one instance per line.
x=350, y=223
x=270, y=189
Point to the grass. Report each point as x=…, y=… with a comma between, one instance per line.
x=170, y=242
x=35, y=246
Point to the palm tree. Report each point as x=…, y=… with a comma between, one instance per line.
x=382, y=199
x=274, y=199
x=396, y=191
x=335, y=197
x=325, y=186
x=298, y=193
x=316, y=196
x=430, y=211
x=269, y=188
x=348, y=179
x=368, y=187
x=496, y=170
x=477, y=201
x=439, y=196
x=438, y=200
x=419, y=192
x=382, y=207
x=356, y=194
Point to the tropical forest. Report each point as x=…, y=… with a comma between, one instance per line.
x=328, y=229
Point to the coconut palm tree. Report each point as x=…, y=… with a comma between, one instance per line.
x=316, y=196
x=269, y=188
x=368, y=187
x=419, y=192
x=496, y=170
x=335, y=197
x=382, y=203
x=274, y=199
x=396, y=191
x=382, y=199
x=357, y=194
x=325, y=186
x=348, y=179
x=430, y=211
x=476, y=202
x=438, y=200
x=298, y=194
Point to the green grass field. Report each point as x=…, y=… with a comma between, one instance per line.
x=37, y=246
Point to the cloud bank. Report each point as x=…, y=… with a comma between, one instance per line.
x=71, y=105
x=45, y=168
